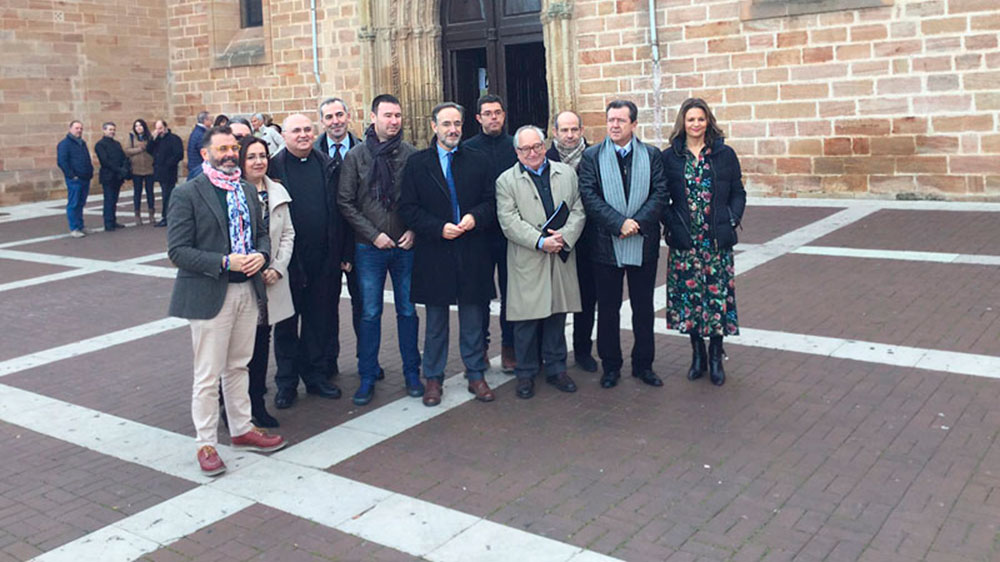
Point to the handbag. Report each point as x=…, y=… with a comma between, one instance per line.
x=126, y=171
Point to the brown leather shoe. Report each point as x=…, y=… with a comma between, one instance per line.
x=508, y=361
x=432, y=392
x=481, y=390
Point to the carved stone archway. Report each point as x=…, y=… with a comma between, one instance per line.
x=401, y=47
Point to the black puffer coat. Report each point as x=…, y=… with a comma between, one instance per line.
x=728, y=196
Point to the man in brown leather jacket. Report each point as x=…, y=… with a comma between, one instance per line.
x=368, y=196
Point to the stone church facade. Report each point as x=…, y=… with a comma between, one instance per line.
x=852, y=98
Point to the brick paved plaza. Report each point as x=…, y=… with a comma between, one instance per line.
x=860, y=420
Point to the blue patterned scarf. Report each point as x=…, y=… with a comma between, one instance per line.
x=240, y=231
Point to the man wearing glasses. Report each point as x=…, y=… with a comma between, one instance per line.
x=321, y=251
x=542, y=216
x=217, y=239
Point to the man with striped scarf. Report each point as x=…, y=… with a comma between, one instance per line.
x=624, y=192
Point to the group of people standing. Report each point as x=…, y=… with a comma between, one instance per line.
x=263, y=239
x=146, y=157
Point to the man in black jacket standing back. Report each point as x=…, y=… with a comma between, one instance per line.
x=498, y=147
x=112, y=158
x=168, y=151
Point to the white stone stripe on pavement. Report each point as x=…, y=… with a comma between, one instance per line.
x=42, y=279
x=150, y=529
x=92, y=264
x=96, y=343
x=344, y=504
x=865, y=351
x=905, y=255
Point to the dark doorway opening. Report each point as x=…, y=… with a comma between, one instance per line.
x=495, y=46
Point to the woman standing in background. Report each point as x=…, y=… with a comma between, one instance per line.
x=142, y=169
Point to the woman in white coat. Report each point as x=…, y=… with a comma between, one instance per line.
x=274, y=203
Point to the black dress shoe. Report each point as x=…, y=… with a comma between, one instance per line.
x=119, y=225
x=264, y=419
x=163, y=222
x=324, y=390
x=610, y=378
x=525, y=388
x=586, y=362
x=562, y=382
x=648, y=376
x=284, y=398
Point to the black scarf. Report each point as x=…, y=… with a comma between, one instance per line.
x=380, y=178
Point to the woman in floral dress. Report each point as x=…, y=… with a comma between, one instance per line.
x=706, y=205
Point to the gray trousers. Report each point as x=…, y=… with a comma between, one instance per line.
x=470, y=340
x=553, y=345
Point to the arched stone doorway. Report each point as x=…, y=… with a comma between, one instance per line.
x=401, y=42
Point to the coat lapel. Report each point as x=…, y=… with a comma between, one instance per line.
x=433, y=165
x=204, y=188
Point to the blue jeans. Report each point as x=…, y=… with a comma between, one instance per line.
x=372, y=265
x=76, y=197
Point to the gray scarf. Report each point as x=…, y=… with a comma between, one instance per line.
x=570, y=156
x=628, y=251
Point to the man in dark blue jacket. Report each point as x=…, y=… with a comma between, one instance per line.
x=168, y=151
x=74, y=161
x=194, y=144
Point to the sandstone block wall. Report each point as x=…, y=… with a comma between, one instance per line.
x=902, y=99
x=101, y=60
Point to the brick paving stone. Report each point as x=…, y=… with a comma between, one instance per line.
x=37, y=227
x=797, y=449
x=55, y=492
x=149, y=381
x=45, y=316
x=891, y=229
x=16, y=270
x=928, y=305
x=121, y=244
x=264, y=534
x=762, y=224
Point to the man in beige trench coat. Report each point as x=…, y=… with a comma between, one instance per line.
x=541, y=287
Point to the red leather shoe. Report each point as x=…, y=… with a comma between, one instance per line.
x=211, y=464
x=257, y=440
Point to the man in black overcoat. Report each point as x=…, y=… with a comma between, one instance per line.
x=449, y=201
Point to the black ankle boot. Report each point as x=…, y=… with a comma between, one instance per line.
x=259, y=415
x=715, y=353
x=699, y=358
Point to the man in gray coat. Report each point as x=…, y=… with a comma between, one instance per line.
x=217, y=239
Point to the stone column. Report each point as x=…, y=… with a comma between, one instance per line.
x=560, y=54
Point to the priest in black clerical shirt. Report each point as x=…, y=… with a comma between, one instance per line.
x=322, y=250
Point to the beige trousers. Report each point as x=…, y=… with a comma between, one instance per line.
x=222, y=349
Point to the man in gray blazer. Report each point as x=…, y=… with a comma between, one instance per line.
x=217, y=239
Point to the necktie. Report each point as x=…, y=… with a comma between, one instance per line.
x=450, y=178
x=622, y=153
x=336, y=153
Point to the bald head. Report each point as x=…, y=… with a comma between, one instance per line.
x=299, y=134
x=567, y=128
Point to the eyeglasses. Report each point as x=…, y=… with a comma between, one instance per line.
x=226, y=148
x=537, y=147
